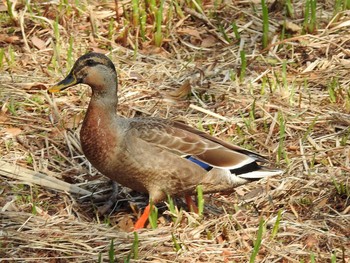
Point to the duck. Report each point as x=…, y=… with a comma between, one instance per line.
x=152, y=155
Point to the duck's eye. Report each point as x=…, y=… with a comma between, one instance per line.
x=90, y=62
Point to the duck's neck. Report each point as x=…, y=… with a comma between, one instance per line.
x=99, y=134
x=107, y=101
x=102, y=106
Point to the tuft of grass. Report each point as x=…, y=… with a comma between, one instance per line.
x=347, y=100
x=178, y=10
x=281, y=152
x=340, y=5
x=176, y=244
x=263, y=86
x=209, y=235
x=222, y=30
x=312, y=258
x=252, y=111
x=153, y=216
x=158, y=36
x=333, y=258
x=134, y=251
x=243, y=66
x=111, y=253
x=70, y=59
x=143, y=23
x=258, y=240
x=11, y=12
x=342, y=188
x=197, y=5
x=310, y=21
x=284, y=74
x=345, y=137
x=135, y=246
x=247, y=122
x=305, y=201
x=2, y=56
x=175, y=213
x=332, y=89
x=289, y=9
x=65, y=7
x=235, y=31
x=143, y=16
x=13, y=106
x=11, y=59
x=277, y=224
x=283, y=33
x=29, y=159
x=135, y=13
x=200, y=200
x=309, y=129
x=265, y=29
x=56, y=47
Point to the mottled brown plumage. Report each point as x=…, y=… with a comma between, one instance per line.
x=144, y=154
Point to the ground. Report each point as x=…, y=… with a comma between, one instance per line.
x=205, y=64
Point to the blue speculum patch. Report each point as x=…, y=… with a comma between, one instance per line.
x=200, y=163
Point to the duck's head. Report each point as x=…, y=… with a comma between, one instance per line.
x=93, y=69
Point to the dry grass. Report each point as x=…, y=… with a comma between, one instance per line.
x=192, y=78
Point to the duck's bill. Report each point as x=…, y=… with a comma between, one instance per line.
x=69, y=81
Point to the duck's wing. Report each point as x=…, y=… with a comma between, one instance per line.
x=176, y=136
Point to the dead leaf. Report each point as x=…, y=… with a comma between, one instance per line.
x=135, y=76
x=34, y=86
x=209, y=41
x=182, y=92
x=3, y=8
x=253, y=193
x=8, y=39
x=292, y=27
x=322, y=203
x=38, y=43
x=12, y=132
x=3, y=116
x=151, y=50
x=126, y=224
x=240, y=191
x=311, y=241
x=189, y=31
x=293, y=147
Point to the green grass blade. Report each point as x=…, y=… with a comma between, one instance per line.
x=153, y=216
x=135, y=13
x=235, y=31
x=135, y=246
x=257, y=242
x=176, y=244
x=265, y=15
x=111, y=254
x=243, y=65
x=277, y=224
x=158, y=36
x=200, y=200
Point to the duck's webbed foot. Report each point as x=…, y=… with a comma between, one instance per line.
x=109, y=201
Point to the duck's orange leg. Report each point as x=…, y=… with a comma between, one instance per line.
x=190, y=204
x=143, y=218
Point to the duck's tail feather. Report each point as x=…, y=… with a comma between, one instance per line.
x=251, y=171
x=255, y=171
